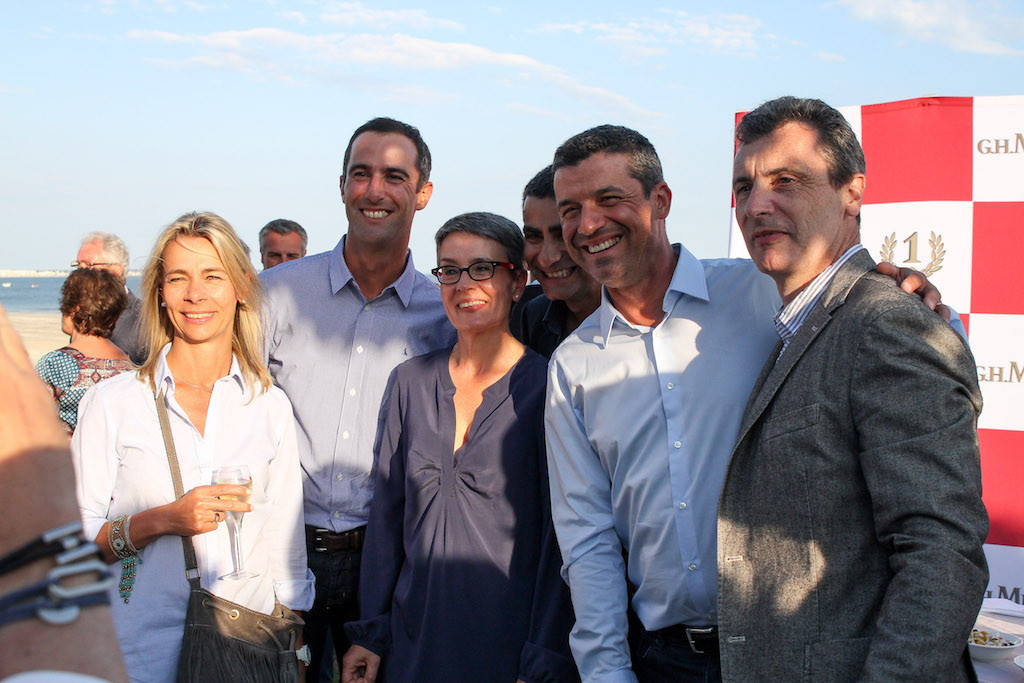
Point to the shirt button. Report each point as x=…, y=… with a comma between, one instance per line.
x=340, y=477
x=344, y=435
x=670, y=386
x=693, y=566
x=337, y=515
x=366, y=307
x=352, y=392
x=359, y=349
x=678, y=444
x=682, y=506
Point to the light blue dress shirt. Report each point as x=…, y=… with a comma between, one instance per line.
x=332, y=352
x=640, y=425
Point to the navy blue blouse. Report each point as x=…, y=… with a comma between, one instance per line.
x=459, y=578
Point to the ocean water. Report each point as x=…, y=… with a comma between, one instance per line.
x=39, y=294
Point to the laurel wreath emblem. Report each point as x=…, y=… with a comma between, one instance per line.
x=938, y=253
x=888, y=252
x=888, y=248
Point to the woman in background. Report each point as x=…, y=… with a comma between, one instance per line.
x=91, y=301
x=201, y=318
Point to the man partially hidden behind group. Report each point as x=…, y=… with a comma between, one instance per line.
x=875, y=570
x=281, y=240
x=570, y=293
x=108, y=252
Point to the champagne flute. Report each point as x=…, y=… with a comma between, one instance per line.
x=238, y=475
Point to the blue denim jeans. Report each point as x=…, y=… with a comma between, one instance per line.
x=337, y=587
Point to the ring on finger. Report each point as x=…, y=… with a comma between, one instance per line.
x=216, y=516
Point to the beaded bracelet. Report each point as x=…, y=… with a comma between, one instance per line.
x=120, y=541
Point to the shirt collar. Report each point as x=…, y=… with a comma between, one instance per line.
x=164, y=378
x=687, y=280
x=792, y=315
x=340, y=274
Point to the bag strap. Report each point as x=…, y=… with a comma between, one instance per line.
x=191, y=567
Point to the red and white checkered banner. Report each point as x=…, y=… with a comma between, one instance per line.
x=945, y=195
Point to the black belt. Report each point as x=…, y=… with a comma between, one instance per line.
x=703, y=640
x=327, y=541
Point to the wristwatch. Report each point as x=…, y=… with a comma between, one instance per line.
x=302, y=654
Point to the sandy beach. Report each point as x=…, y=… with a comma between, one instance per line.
x=40, y=332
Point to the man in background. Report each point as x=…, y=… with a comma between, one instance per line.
x=570, y=294
x=281, y=240
x=338, y=323
x=108, y=252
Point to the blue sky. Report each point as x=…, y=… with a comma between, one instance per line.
x=121, y=115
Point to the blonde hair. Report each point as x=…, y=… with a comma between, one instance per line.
x=247, y=330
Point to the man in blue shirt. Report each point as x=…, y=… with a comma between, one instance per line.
x=338, y=324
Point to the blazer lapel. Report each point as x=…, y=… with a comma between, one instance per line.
x=777, y=368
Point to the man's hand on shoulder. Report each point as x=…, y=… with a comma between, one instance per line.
x=915, y=282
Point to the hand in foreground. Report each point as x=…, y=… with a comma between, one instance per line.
x=28, y=418
x=916, y=282
x=359, y=665
x=203, y=508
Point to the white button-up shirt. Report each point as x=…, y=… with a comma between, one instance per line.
x=121, y=466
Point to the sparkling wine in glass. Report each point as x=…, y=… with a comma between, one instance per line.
x=238, y=475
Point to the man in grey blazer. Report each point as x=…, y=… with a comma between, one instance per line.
x=850, y=524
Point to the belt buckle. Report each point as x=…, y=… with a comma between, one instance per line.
x=690, y=631
x=318, y=540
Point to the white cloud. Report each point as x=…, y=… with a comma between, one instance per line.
x=966, y=26
x=359, y=15
x=646, y=37
x=292, y=15
x=537, y=111
x=830, y=57
x=264, y=51
x=416, y=94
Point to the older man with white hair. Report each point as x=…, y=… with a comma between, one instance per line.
x=107, y=251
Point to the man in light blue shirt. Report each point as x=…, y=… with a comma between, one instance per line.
x=338, y=323
x=645, y=400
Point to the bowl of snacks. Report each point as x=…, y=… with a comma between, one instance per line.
x=988, y=645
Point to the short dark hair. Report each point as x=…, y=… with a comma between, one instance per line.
x=837, y=142
x=644, y=164
x=94, y=298
x=542, y=185
x=383, y=124
x=282, y=226
x=489, y=225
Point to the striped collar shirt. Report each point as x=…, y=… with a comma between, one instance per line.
x=792, y=315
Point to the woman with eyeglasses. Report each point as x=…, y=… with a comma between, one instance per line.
x=459, y=578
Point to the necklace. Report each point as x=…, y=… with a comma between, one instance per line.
x=196, y=386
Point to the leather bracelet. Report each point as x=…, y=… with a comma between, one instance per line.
x=57, y=540
x=51, y=600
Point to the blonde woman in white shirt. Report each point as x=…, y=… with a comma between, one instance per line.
x=201, y=318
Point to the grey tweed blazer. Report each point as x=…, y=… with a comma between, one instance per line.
x=850, y=524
